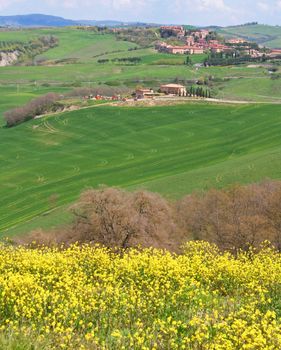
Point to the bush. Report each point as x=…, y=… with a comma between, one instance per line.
x=37, y=106
x=233, y=219
x=117, y=218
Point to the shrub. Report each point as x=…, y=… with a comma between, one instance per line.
x=233, y=219
x=37, y=106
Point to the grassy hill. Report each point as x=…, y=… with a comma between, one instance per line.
x=46, y=163
x=73, y=43
x=263, y=34
x=74, y=62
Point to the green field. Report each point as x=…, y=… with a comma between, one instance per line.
x=73, y=43
x=174, y=150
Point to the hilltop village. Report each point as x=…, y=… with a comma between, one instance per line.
x=194, y=42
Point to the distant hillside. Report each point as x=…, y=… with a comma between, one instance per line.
x=35, y=20
x=39, y=20
x=262, y=34
x=110, y=23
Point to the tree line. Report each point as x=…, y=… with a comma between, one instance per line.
x=199, y=91
x=133, y=60
x=222, y=59
x=234, y=218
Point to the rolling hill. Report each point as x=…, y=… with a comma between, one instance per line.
x=74, y=62
x=269, y=36
x=35, y=20
x=173, y=150
x=41, y=20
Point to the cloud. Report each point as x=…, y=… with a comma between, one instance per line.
x=210, y=5
x=206, y=12
x=4, y=4
x=109, y=5
x=263, y=6
x=201, y=12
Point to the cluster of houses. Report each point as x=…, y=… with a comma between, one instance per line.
x=199, y=42
x=167, y=89
x=104, y=98
x=144, y=93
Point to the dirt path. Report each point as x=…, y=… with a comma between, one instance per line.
x=169, y=101
x=158, y=101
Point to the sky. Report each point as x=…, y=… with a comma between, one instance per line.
x=196, y=12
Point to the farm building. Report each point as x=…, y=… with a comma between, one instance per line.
x=144, y=93
x=180, y=50
x=174, y=89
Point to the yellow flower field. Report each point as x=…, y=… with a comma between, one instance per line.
x=91, y=298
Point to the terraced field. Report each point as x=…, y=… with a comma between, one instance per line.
x=46, y=163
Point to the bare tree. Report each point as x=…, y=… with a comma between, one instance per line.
x=117, y=218
x=33, y=108
x=233, y=218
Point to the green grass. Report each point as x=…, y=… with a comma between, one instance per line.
x=171, y=149
x=263, y=89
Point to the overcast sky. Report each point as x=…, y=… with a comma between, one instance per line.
x=201, y=12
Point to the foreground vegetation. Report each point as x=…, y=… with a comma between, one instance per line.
x=91, y=298
x=233, y=219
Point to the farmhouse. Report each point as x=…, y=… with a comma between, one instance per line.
x=144, y=93
x=174, y=89
x=179, y=50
